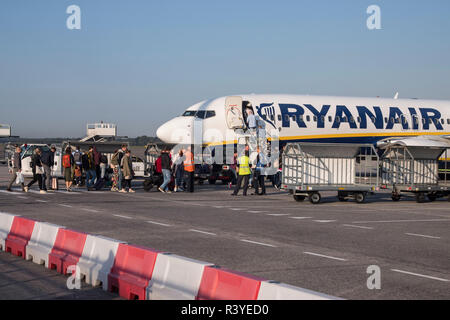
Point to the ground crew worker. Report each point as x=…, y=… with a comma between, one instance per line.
x=244, y=174
x=189, y=169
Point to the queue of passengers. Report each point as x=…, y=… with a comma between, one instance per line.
x=74, y=163
x=180, y=170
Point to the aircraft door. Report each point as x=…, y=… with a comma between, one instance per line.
x=233, y=113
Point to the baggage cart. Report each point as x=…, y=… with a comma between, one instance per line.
x=350, y=169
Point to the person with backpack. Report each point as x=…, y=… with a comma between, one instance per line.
x=67, y=163
x=77, y=154
x=116, y=161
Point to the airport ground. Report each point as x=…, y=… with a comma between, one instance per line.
x=326, y=247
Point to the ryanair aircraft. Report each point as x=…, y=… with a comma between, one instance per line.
x=304, y=118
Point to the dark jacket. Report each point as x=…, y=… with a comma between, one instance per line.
x=88, y=162
x=48, y=158
x=165, y=161
x=35, y=162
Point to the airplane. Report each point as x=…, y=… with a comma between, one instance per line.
x=305, y=118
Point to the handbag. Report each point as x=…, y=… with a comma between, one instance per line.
x=39, y=170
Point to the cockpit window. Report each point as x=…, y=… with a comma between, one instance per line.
x=189, y=113
x=201, y=114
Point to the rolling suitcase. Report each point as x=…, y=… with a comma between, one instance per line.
x=55, y=183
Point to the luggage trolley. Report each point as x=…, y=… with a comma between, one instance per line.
x=350, y=169
x=417, y=170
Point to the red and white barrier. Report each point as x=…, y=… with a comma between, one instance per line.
x=223, y=284
x=97, y=259
x=175, y=278
x=67, y=250
x=136, y=272
x=6, y=221
x=271, y=290
x=19, y=235
x=42, y=241
x=132, y=271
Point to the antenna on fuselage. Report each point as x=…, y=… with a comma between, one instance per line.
x=396, y=96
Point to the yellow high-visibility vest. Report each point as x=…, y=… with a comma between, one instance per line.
x=244, y=168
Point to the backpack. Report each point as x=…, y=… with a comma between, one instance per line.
x=66, y=161
x=103, y=159
x=77, y=157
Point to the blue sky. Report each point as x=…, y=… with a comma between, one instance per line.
x=140, y=63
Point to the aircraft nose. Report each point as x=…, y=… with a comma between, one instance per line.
x=175, y=131
x=163, y=133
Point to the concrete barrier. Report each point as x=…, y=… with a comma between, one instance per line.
x=19, y=235
x=132, y=271
x=175, y=278
x=6, y=221
x=67, y=250
x=223, y=284
x=41, y=242
x=97, y=260
x=272, y=290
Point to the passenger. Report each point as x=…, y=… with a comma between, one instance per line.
x=16, y=168
x=115, y=166
x=89, y=168
x=78, y=175
x=251, y=120
x=233, y=168
x=68, y=163
x=189, y=168
x=103, y=164
x=47, y=160
x=97, y=157
x=77, y=154
x=128, y=173
x=38, y=171
x=244, y=174
x=258, y=176
x=165, y=167
x=178, y=168
x=121, y=153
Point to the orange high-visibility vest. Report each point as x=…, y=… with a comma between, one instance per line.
x=189, y=162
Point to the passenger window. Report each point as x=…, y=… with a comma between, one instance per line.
x=272, y=117
x=448, y=121
x=322, y=118
x=315, y=119
x=279, y=117
x=352, y=120
x=286, y=117
x=344, y=119
x=373, y=119
x=442, y=121
x=308, y=118
x=392, y=120
x=359, y=119
x=338, y=119
x=294, y=118
x=385, y=119
x=330, y=119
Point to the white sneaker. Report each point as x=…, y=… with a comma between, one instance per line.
x=161, y=190
x=131, y=190
x=25, y=189
x=123, y=191
x=43, y=192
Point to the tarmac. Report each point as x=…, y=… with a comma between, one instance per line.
x=326, y=248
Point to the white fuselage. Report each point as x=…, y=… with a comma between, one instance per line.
x=313, y=119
